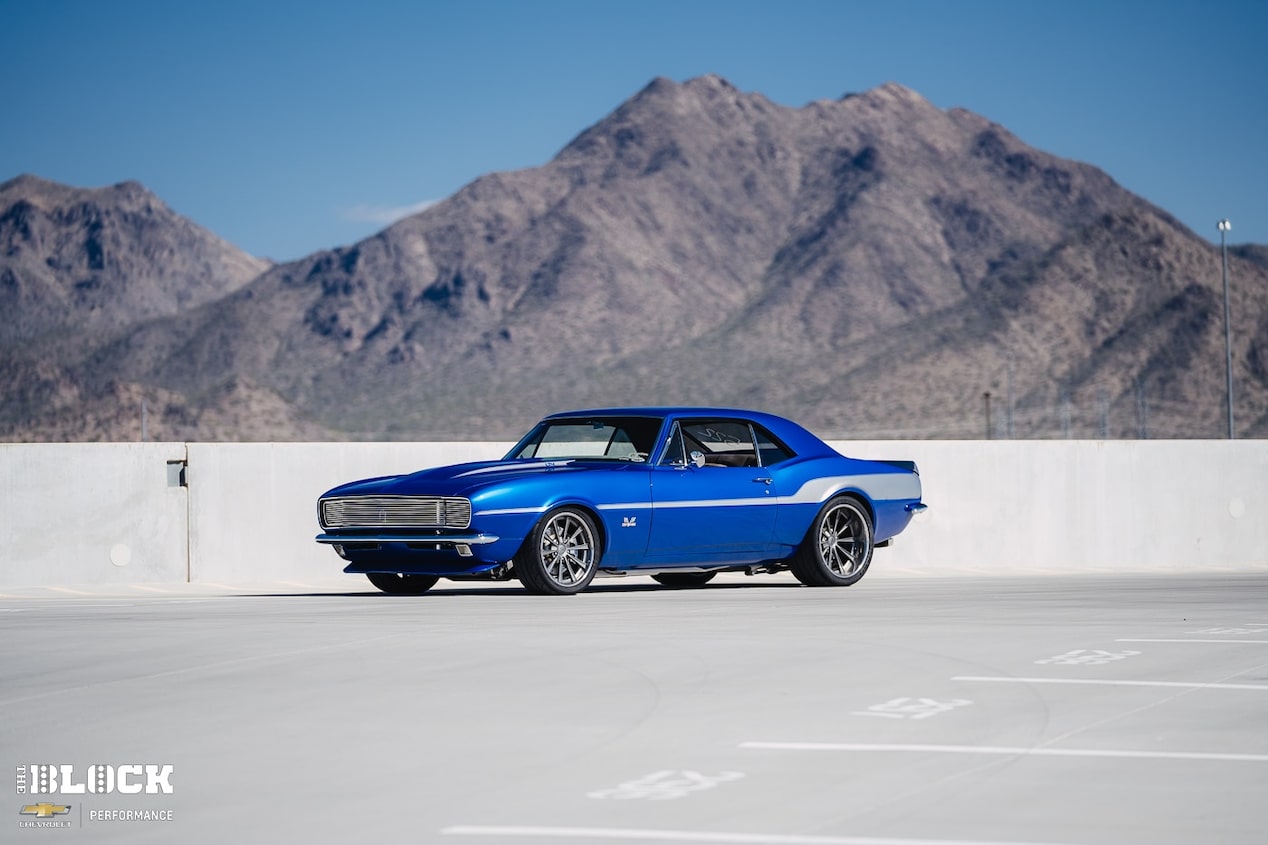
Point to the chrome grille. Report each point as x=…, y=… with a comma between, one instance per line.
x=395, y=512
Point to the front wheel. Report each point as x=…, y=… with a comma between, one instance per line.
x=402, y=585
x=560, y=555
x=838, y=547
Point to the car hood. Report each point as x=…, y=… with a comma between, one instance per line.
x=464, y=479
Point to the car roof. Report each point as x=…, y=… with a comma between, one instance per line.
x=664, y=411
x=795, y=436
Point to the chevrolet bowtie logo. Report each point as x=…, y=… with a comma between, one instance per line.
x=45, y=810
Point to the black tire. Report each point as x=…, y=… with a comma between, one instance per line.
x=396, y=584
x=561, y=554
x=838, y=547
x=684, y=579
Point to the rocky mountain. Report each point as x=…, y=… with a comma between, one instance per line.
x=80, y=266
x=93, y=260
x=871, y=266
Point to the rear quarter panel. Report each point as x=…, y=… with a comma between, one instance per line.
x=805, y=485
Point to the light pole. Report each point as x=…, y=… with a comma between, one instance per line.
x=1224, y=226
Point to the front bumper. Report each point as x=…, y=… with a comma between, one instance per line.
x=449, y=555
x=460, y=543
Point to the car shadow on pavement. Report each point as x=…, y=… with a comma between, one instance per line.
x=454, y=590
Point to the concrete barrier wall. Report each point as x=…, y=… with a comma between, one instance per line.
x=92, y=514
x=1071, y=505
x=114, y=513
x=253, y=506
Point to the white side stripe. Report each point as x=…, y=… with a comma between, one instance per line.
x=878, y=487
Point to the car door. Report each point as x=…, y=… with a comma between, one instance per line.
x=712, y=501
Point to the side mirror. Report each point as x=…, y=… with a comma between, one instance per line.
x=697, y=458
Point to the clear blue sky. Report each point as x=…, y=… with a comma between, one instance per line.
x=287, y=127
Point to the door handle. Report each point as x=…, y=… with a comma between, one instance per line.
x=761, y=480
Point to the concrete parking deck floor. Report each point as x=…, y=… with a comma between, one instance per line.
x=1091, y=709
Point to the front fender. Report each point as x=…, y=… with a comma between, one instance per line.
x=618, y=499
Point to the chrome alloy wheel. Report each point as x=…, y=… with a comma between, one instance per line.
x=561, y=554
x=845, y=540
x=837, y=548
x=566, y=549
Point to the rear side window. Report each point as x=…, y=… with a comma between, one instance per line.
x=771, y=451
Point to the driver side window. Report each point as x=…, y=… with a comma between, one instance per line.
x=724, y=443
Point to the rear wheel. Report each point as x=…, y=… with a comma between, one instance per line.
x=838, y=547
x=684, y=579
x=560, y=555
x=397, y=584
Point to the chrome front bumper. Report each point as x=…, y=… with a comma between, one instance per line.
x=461, y=543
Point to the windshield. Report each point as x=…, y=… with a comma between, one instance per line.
x=612, y=438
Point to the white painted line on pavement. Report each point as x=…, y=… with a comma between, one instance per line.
x=647, y=835
x=1018, y=751
x=1180, y=684
x=1248, y=642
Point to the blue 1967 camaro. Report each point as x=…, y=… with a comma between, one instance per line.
x=680, y=494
